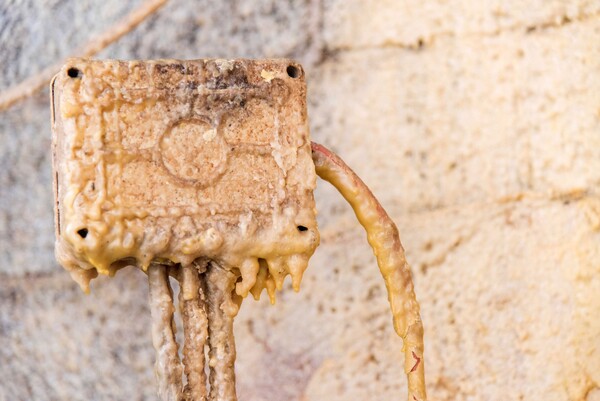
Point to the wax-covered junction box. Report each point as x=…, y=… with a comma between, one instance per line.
x=169, y=161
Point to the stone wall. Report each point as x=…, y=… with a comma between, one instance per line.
x=477, y=124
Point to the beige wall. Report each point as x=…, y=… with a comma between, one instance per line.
x=477, y=124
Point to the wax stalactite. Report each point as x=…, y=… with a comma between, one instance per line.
x=383, y=237
x=222, y=308
x=192, y=301
x=168, y=366
x=208, y=304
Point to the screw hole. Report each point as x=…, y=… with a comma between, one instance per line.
x=83, y=232
x=293, y=71
x=302, y=228
x=74, y=72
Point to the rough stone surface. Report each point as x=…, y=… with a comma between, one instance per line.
x=467, y=120
x=476, y=124
x=58, y=344
x=356, y=23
